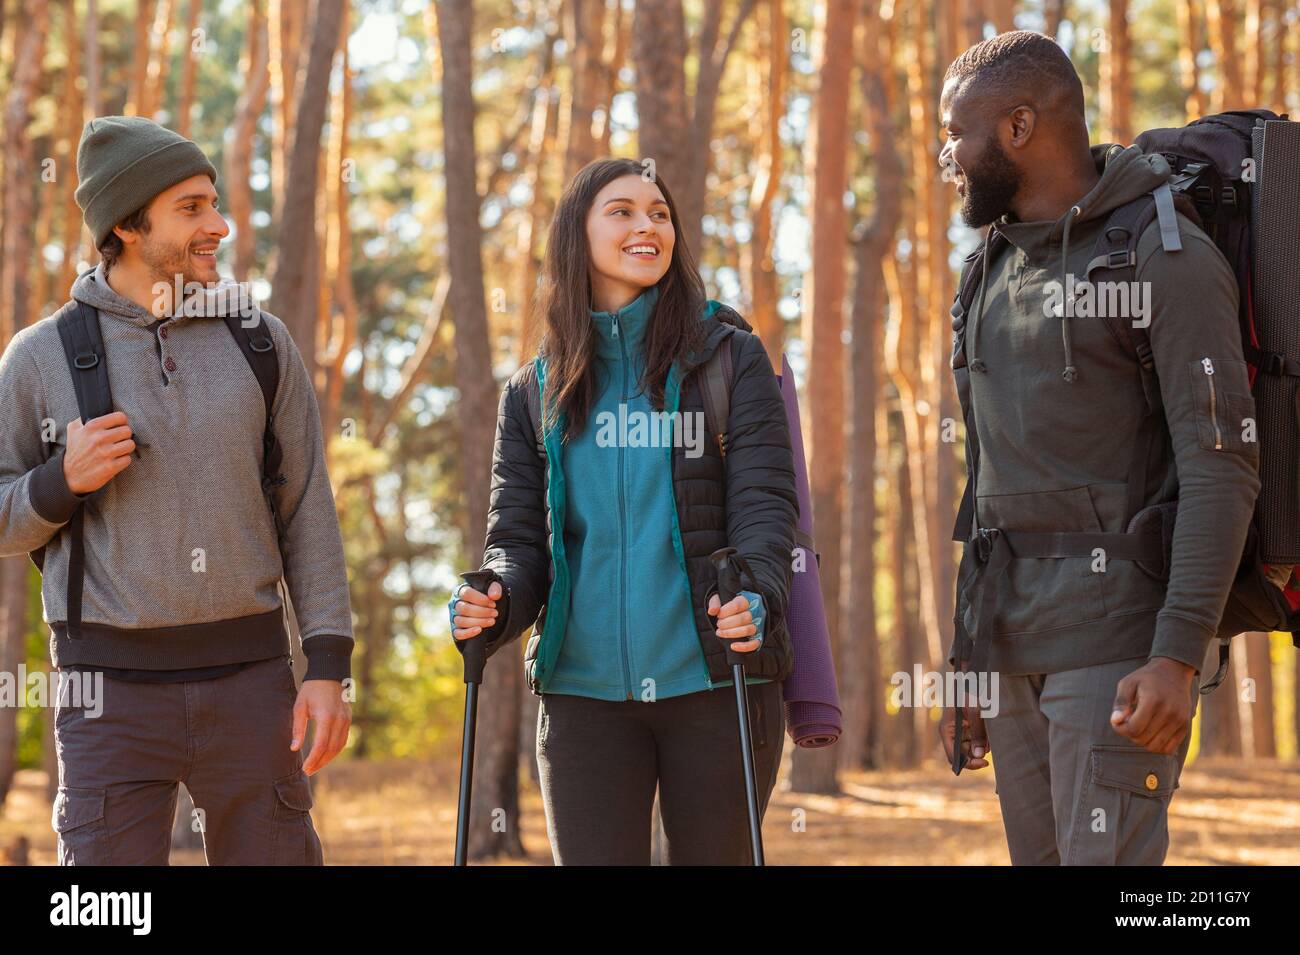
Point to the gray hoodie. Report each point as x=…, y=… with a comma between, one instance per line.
x=182, y=563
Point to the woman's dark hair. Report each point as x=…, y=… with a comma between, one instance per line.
x=564, y=300
x=111, y=249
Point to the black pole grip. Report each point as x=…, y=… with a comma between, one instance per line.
x=475, y=648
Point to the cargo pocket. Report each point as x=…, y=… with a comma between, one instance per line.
x=293, y=839
x=1045, y=593
x=78, y=818
x=1121, y=816
x=1225, y=410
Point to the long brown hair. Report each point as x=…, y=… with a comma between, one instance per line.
x=564, y=300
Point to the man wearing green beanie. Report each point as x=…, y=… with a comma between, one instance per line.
x=164, y=600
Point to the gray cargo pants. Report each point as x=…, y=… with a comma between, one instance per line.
x=1072, y=790
x=227, y=739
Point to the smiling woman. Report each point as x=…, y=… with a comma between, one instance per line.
x=631, y=611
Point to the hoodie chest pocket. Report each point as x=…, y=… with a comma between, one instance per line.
x=1225, y=409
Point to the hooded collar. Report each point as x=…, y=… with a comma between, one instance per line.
x=623, y=331
x=92, y=288
x=223, y=298
x=1126, y=173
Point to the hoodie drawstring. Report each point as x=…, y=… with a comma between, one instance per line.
x=1070, y=373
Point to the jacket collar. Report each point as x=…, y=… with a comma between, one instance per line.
x=622, y=331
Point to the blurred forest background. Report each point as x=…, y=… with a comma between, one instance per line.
x=389, y=167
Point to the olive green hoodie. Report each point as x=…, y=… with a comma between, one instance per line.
x=1056, y=405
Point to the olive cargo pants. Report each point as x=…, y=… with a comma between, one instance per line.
x=1072, y=790
x=227, y=739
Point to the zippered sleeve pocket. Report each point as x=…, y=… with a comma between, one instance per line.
x=1225, y=409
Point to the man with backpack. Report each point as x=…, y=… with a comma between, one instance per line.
x=165, y=467
x=1101, y=393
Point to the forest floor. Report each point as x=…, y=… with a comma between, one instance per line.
x=1226, y=812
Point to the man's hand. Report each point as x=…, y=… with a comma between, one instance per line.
x=97, y=452
x=974, y=738
x=1152, y=705
x=323, y=702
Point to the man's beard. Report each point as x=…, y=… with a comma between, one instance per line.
x=167, y=261
x=991, y=185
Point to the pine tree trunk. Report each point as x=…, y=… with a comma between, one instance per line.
x=585, y=28
x=239, y=143
x=155, y=86
x=1189, y=45
x=495, y=821
x=1115, y=82
x=663, y=117
x=138, y=100
x=1220, y=718
x=21, y=176
x=861, y=683
x=186, y=105
x=769, y=84
x=1260, y=669
x=293, y=297
x=1221, y=25
x=71, y=114
x=814, y=770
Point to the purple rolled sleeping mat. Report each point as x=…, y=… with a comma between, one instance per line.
x=812, y=700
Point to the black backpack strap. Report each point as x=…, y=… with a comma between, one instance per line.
x=715, y=386
x=1114, y=259
x=259, y=351
x=83, y=346
x=533, y=404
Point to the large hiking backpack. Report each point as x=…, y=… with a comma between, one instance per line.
x=83, y=346
x=1235, y=176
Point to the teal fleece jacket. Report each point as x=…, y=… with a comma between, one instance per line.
x=631, y=633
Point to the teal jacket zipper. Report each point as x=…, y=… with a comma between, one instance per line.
x=622, y=535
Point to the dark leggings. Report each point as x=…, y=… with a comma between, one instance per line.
x=601, y=761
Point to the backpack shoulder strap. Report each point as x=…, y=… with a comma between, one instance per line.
x=715, y=385
x=83, y=346
x=259, y=351
x=532, y=389
x=1114, y=259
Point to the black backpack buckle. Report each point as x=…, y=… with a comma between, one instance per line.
x=985, y=541
x=86, y=362
x=261, y=344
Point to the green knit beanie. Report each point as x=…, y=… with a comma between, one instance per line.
x=123, y=162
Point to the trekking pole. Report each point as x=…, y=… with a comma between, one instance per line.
x=728, y=586
x=475, y=653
